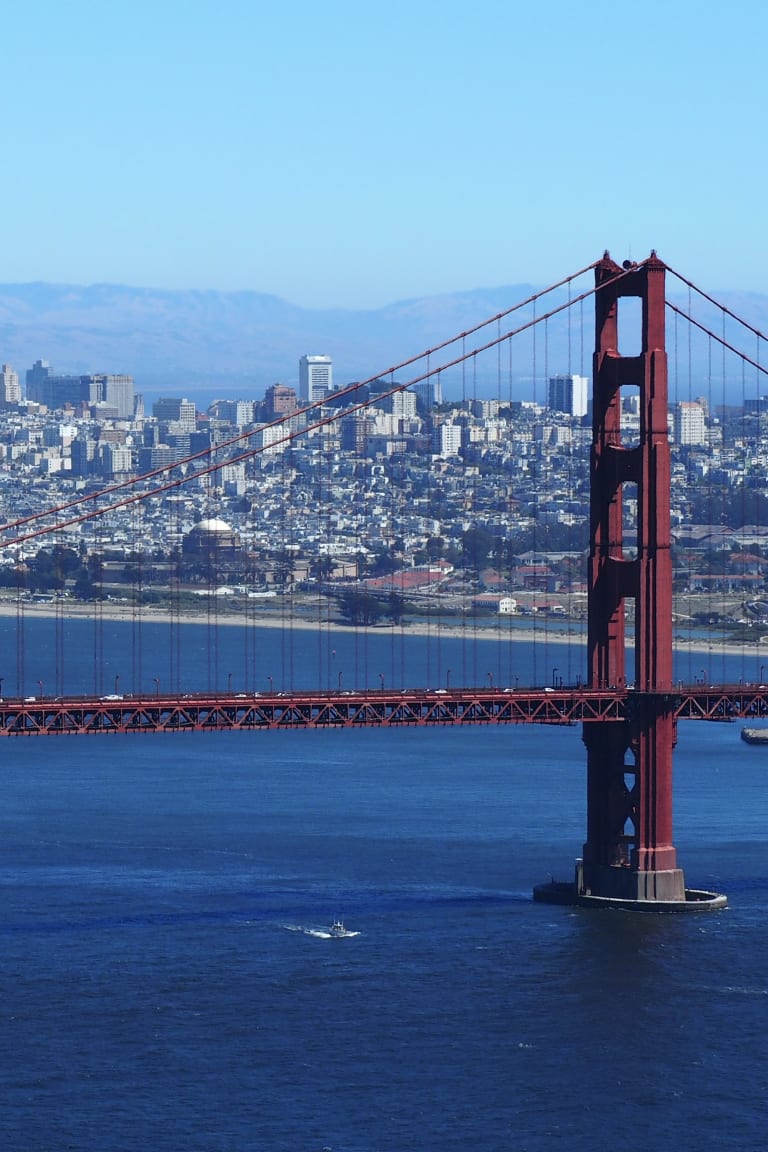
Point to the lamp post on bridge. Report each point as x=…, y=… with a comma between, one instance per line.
x=40, y=688
x=448, y=678
x=157, y=685
x=554, y=677
x=381, y=680
x=271, y=686
x=117, y=685
x=490, y=679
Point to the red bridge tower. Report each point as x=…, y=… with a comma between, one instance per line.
x=629, y=856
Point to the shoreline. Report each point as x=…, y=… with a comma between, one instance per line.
x=293, y=622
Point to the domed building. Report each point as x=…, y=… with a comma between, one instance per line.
x=211, y=538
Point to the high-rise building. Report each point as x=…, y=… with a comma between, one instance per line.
x=39, y=372
x=176, y=410
x=429, y=392
x=244, y=414
x=315, y=378
x=690, y=423
x=569, y=394
x=44, y=387
x=446, y=439
x=279, y=400
x=115, y=458
x=83, y=455
x=117, y=391
x=10, y=390
x=401, y=404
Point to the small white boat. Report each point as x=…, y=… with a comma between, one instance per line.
x=337, y=930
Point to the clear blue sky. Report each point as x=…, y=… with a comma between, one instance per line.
x=351, y=154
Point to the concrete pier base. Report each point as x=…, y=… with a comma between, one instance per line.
x=651, y=892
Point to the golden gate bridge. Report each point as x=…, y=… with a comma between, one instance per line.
x=630, y=699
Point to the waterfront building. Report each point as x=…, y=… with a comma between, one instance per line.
x=210, y=539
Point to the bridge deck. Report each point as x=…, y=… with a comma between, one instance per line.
x=417, y=708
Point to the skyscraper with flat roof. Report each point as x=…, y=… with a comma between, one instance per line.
x=315, y=378
x=176, y=410
x=10, y=390
x=569, y=394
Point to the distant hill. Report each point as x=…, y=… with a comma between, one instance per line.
x=206, y=344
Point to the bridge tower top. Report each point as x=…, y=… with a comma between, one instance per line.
x=618, y=572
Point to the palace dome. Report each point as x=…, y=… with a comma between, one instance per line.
x=211, y=536
x=213, y=526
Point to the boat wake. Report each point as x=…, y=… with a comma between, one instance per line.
x=335, y=932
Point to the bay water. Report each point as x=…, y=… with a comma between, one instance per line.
x=167, y=981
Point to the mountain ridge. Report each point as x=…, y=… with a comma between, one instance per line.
x=208, y=342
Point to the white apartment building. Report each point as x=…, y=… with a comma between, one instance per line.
x=690, y=423
x=446, y=439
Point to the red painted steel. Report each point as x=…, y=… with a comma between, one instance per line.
x=629, y=853
x=609, y=713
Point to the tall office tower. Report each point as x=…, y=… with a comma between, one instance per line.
x=65, y=391
x=10, y=390
x=117, y=391
x=429, y=392
x=315, y=378
x=569, y=394
x=172, y=409
x=690, y=423
x=223, y=410
x=36, y=375
x=58, y=391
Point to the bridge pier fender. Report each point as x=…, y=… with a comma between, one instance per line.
x=657, y=892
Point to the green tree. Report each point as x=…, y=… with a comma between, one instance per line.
x=396, y=607
x=476, y=544
x=360, y=608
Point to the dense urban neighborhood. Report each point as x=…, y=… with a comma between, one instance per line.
x=408, y=502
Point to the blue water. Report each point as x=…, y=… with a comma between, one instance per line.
x=48, y=657
x=158, y=991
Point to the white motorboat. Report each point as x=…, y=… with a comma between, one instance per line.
x=337, y=930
